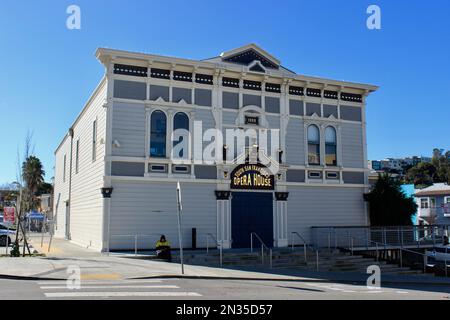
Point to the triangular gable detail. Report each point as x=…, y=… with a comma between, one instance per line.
x=247, y=54
x=256, y=66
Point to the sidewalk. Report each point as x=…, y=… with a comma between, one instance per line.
x=97, y=266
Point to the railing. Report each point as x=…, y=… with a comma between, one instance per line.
x=402, y=236
x=210, y=235
x=305, y=247
x=135, y=237
x=263, y=246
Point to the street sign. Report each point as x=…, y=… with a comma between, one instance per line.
x=9, y=215
x=180, y=239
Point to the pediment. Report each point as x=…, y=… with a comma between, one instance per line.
x=159, y=100
x=246, y=55
x=182, y=102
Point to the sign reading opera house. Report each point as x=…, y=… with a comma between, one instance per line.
x=296, y=157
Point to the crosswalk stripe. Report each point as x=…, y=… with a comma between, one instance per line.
x=114, y=287
x=121, y=294
x=63, y=282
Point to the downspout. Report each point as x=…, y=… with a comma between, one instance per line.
x=70, y=183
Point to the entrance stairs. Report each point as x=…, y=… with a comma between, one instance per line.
x=284, y=258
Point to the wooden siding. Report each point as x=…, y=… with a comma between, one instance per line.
x=352, y=145
x=86, y=208
x=150, y=209
x=295, y=142
x=128, y=129
x=324, y=206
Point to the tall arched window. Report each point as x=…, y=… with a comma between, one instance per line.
x=181, y=121
x=158, y=130
x=330, y=146
x=313, y=145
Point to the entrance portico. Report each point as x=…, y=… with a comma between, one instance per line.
x=252, y=202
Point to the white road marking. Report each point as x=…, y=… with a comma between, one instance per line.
x=63, y=282
x=401, y=292
x=120, y=294
x=114, y=287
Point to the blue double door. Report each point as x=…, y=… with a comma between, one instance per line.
x=251, y=212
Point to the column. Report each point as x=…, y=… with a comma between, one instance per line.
x=280, y=223
x=106, y=193
x=223, y=219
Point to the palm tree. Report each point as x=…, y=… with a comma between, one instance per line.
x=33, y=177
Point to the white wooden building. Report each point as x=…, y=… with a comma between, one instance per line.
x=115, y=179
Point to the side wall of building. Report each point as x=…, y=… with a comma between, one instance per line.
x=86, y=176
x=61, y=187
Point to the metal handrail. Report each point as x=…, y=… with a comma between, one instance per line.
x=135, y=236
x=386, y=245
x=263, y=245
x=220, y=245
x=305, y=246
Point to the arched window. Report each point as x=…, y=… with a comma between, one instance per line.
x=158, y=126
x=313, y=145
x=181, y=121
x=330, y=146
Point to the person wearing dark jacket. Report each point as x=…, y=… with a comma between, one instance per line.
x=163, y=249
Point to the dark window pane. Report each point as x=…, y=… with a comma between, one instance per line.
x=158, y=134
x=313, y=153
x=330, y=158
x=180, y=121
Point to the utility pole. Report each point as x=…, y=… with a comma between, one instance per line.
x=180, y=210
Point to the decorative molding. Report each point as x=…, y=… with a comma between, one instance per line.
x=281, y=196
x=222, y=194
x=106, y=192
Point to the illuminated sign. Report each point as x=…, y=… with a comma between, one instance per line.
x=252, y=176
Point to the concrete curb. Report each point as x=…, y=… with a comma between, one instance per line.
x=35, y=278
x=289, y=279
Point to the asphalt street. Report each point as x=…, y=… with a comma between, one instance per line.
x=200, y=289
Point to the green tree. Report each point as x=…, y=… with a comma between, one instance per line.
x=389, y=206
x=441, y=161
x=33, y=177
x=422, y=175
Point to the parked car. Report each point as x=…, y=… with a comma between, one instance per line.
x=6, y=234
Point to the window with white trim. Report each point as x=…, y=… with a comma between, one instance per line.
x=158, y=131
x=330, y=146
x=432, y=202
x=94, y=140
x=64, y=168
x=181, y=121
x=313, y=145
x=446, y=200
x=424, y=203
x=77, y=156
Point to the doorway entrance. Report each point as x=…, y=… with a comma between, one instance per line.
x=251, y=212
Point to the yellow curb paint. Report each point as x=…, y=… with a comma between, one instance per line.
x=101, y=276
x=44, y=249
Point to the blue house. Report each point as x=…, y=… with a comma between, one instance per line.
x=409, y=190
x=434, y=204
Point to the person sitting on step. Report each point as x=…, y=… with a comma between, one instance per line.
x=163, y=249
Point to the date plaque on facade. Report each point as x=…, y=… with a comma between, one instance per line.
x=252, y=177
x=251, y=120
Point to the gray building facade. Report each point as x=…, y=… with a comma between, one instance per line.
x=115, y=176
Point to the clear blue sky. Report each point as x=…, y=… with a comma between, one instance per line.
x=48, y=72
